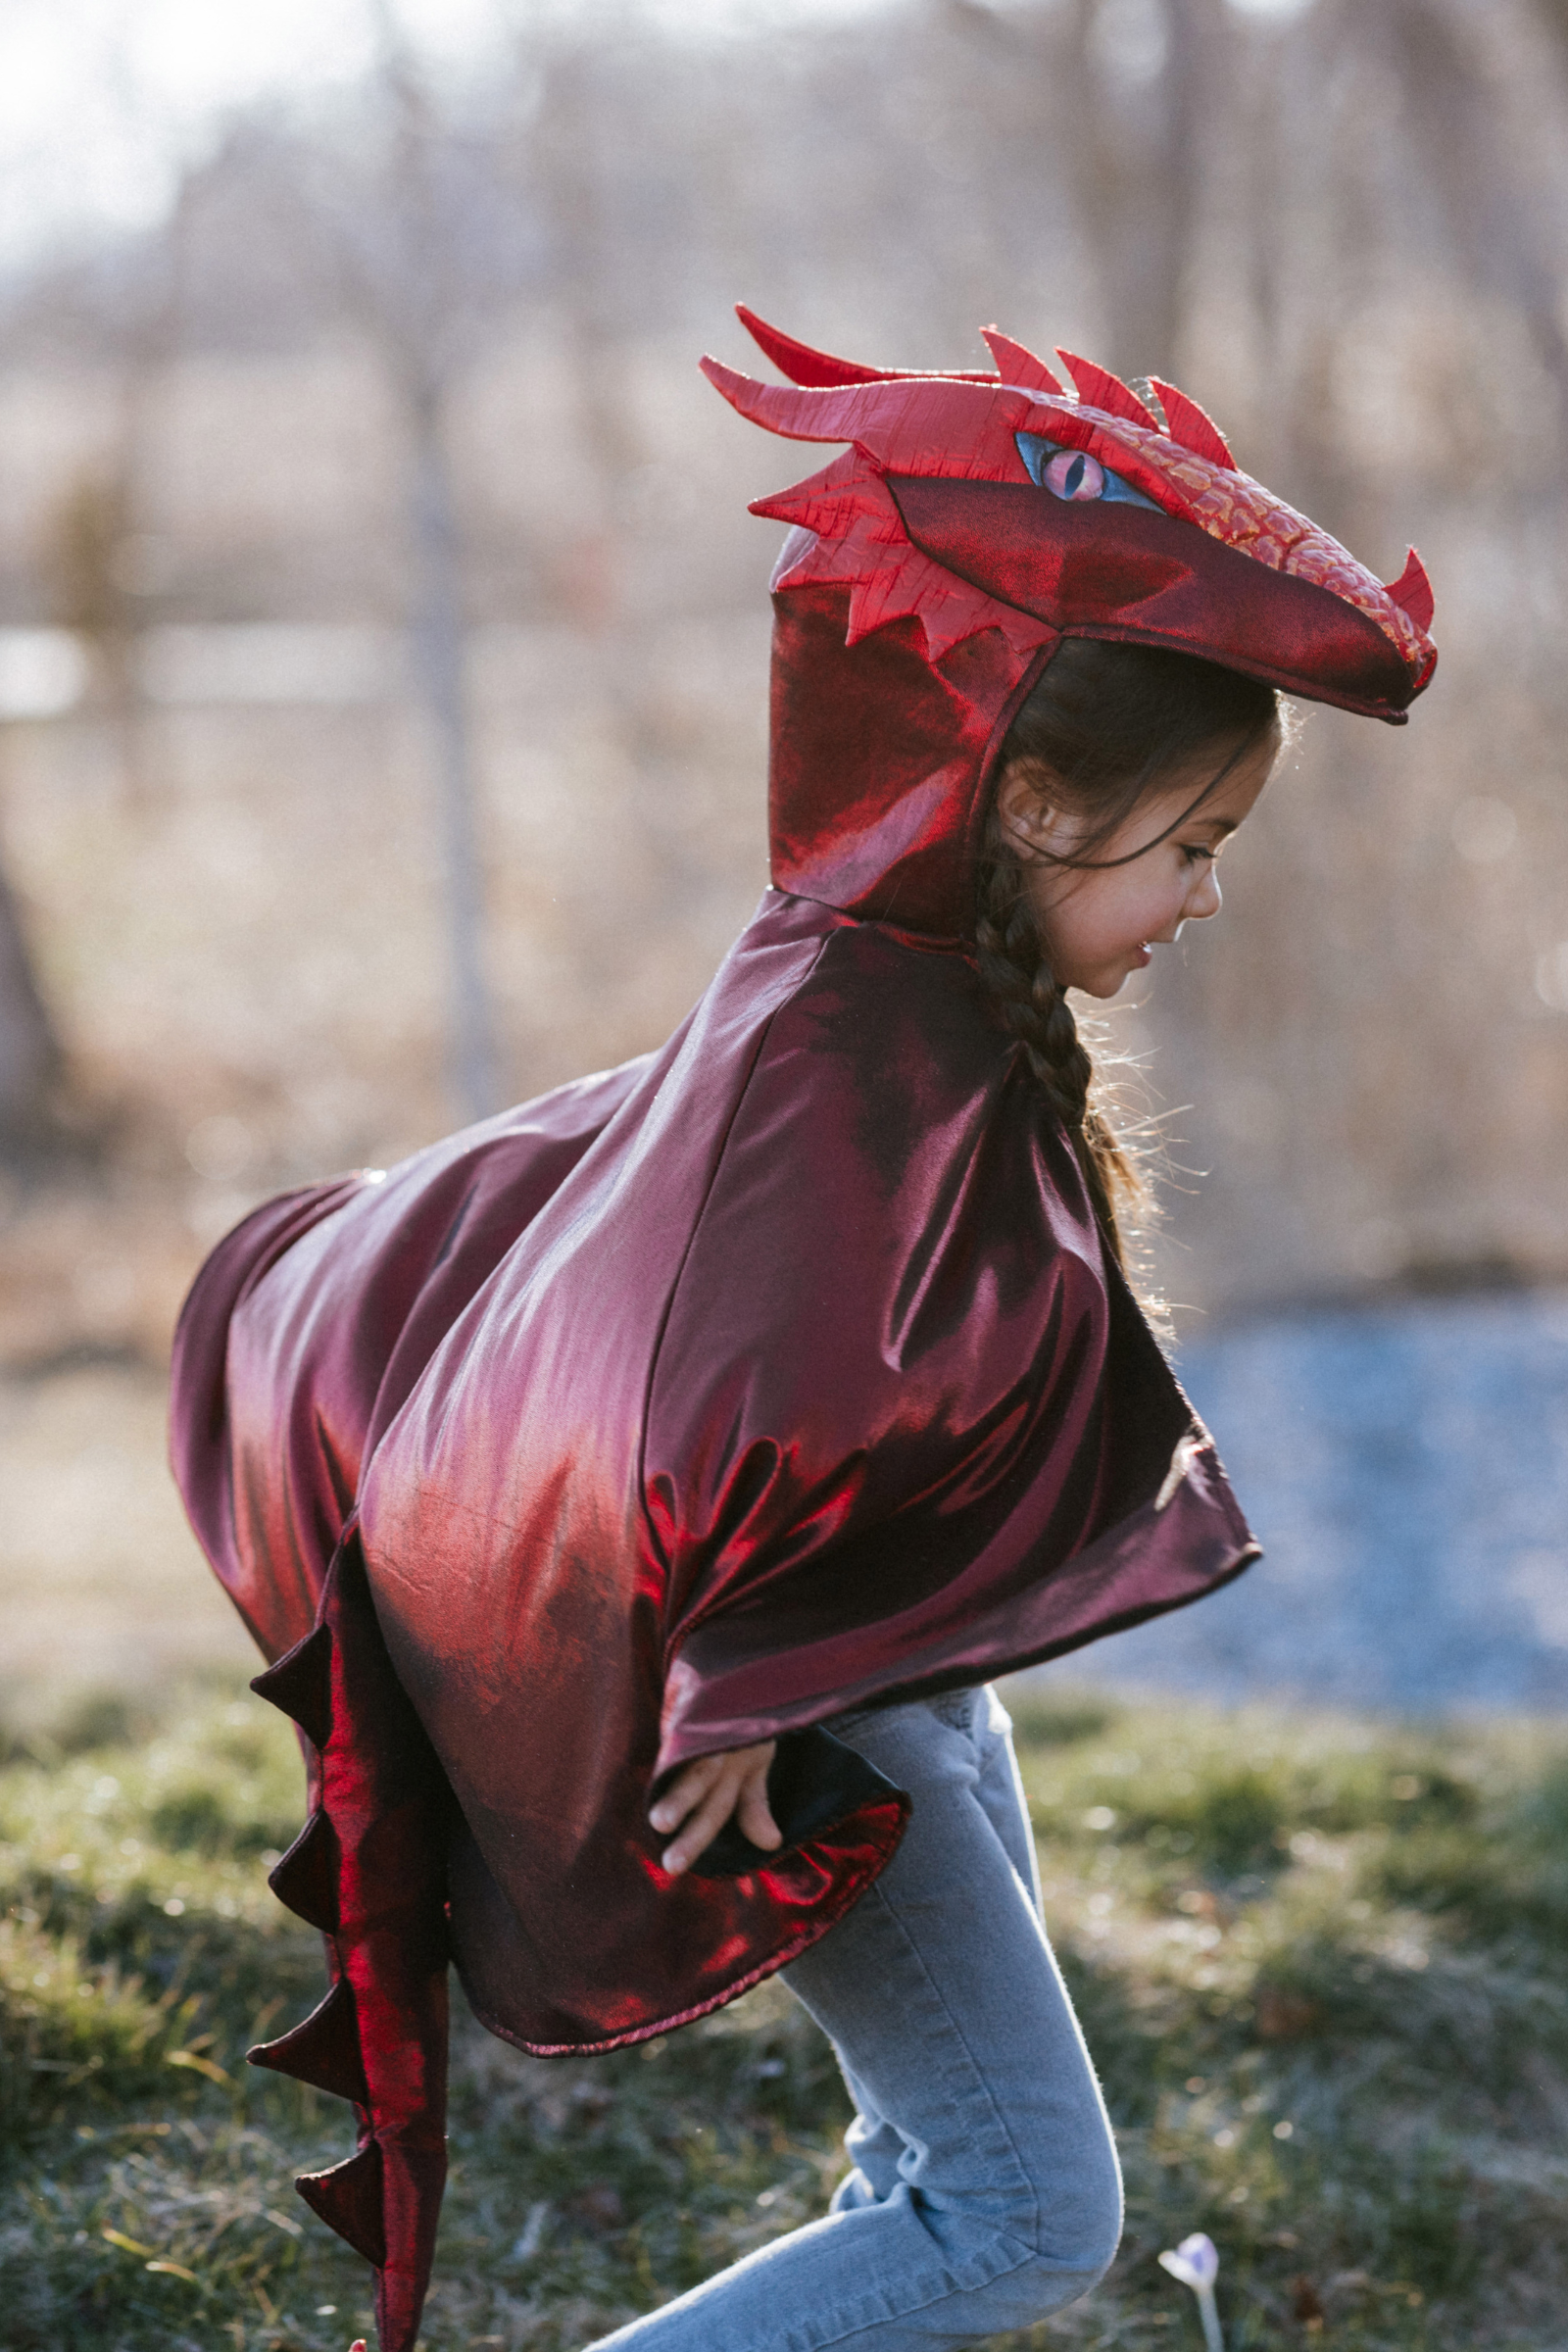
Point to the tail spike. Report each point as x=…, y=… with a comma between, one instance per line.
x=1413, y=591
x=349, y=2200
x=1192, y=425
x=820, y=370
x=323, y=2050
x=1100, y=389
x=306, y=1879
x=300, y=1683
x=1016, y=366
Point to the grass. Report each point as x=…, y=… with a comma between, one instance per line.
x=1318, y=1960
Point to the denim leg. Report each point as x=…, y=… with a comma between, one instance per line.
x=874, y=2145
x=985, y=2193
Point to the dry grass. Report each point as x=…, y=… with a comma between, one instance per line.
x=1319, y=1961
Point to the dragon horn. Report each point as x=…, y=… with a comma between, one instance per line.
x=820, y=370
x=1100, y=389
x=1192, y=425
x=1016, y=366
x=835, y=412
x=1413, y=591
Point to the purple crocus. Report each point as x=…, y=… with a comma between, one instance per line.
x=1196, y=2263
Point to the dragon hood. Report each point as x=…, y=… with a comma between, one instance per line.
x=974, y=521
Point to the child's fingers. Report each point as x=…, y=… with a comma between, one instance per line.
x=701, y=1827
x=686, y=1789
x=753, y=1812
x=704, y=1795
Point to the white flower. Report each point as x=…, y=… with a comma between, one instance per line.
x=1196, y=2263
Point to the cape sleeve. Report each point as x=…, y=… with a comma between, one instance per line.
x=906, y=1429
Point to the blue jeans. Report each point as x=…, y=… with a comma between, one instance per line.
x=984, y=2192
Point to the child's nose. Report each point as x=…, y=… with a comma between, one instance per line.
x=1204, y=900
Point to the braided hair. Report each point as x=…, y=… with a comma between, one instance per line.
x=1106, y=726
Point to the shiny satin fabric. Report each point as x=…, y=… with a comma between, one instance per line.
x=794, y=1375
x=1138, y=577
x=776, y=1373
x=281, y=1387
x=370, y=1871
x=874, y=760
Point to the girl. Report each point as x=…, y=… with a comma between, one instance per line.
x=638, y=1492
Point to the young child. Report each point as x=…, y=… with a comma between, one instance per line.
x=638, y=1492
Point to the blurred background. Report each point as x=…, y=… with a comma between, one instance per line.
x=383, y=648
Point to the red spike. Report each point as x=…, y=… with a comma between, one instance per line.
x=819, y=369
x=1016, y=366
x=1413, y=591
x=1102, y=390
x=306, y=1879
x=808, y=414
x=879, y=412
x=300, y=1683
x=1193, y=427
x=325, y=2049
x=797, y=360
x=347, y=2199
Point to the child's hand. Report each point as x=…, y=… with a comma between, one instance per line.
x=705, y=1794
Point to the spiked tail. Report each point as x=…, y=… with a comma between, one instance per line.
x=301, y=1684
x=323, y=2050
x=306, y=1880
x=347, y=2199
x=370, y=1870
x=1413, y=591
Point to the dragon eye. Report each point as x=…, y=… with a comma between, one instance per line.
x=1073, y=473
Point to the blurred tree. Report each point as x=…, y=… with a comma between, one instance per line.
x=96, y=593
x=29, y=1052
x=413, y=288
x=426, y=246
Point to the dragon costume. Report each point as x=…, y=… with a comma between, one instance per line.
x=777, y=1372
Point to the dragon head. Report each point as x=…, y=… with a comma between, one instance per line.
x=975, y=521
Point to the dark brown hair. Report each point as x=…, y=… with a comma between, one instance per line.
x=1108, y=726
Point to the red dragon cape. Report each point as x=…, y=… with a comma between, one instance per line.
x=776, y=1372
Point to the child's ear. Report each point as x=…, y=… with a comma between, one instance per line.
x=1032, y=826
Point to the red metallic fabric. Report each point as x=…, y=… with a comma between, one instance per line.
x=805, y=1384
x=927, y=581
x=780, y=1371
x=279, y=1389
x=370, y=1870
x=1145, y=578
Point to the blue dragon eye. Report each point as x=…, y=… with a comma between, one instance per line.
x=1072, y=474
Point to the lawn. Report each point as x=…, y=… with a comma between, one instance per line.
x=1319, y=1961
